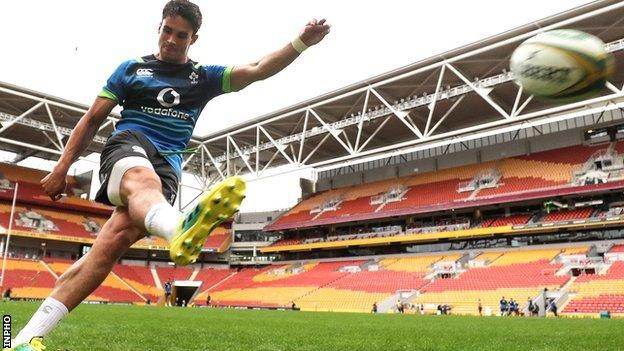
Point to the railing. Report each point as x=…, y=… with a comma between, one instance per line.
x=392, y=195
x=439, y=228
x=466, y=186
x=367, y=235
x=491, y=175
x=329, y=205
x=377, y=200
x=580, y=260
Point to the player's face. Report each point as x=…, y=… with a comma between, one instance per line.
x=176, y=36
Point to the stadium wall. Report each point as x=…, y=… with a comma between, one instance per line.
x=560, y=140
x=426, y=165
x=511, y=149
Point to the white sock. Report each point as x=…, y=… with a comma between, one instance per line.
x=161, y=220
x=43, y=321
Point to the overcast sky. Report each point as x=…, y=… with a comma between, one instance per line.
x=69, y=48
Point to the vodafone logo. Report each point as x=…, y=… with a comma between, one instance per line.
x=168, y=97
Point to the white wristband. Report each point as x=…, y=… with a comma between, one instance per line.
x=299, y=45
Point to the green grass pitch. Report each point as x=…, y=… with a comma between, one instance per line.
x=110, y=327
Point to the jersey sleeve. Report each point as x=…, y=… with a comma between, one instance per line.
x=116, y=85
x=218, y=79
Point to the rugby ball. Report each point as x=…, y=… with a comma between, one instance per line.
x=563, y=65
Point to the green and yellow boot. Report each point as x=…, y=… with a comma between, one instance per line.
x=213, y=208
x=35, y=344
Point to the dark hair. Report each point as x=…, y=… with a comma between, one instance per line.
x=185, y=9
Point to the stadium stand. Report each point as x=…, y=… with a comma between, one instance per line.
x=357, y=291
x=600, y=292
x=511, y=220
x=568, y=215
x=286, y=242
x=28, y=279
x=210, y=278
x=352, y=285
x=244, y=289
x=140, y=279
x=219, y=240
x=173, y=273
x=414, y=264
x=30, y=191
x=52, y=222
x=325, y=286
x=519, y=274
x=113, y=289
x=524, y=177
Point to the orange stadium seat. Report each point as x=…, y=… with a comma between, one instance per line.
x=173, y=273
x=219, y=240
x=565, y=215
x=617, y=248
x=517, y=185
x=619, y=147
x=287, y=242
x=511, y=220
x=17, y=173
x=567, y=155
x=350, y=207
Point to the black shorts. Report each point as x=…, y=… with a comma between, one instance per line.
x=131, y=143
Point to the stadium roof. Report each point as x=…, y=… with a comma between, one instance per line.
x=38, y=124
x=464, y=93
x=423, y=105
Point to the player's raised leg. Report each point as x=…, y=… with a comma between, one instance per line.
x=213, y=207
x=142, y=192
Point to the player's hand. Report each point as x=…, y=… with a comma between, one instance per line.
x=314, y=32
x=54, y=184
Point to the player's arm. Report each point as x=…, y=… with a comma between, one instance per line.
x=243, y=75
x=80, y=138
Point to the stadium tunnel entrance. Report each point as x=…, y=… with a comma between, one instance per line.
x=184, y=291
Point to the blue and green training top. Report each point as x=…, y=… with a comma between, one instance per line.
x=163, y=100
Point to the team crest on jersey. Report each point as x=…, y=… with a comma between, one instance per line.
x=194, y=77
x=145, y=72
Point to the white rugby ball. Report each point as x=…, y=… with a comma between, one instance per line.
x=563, y=64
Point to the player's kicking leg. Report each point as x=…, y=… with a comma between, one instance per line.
x=130, y=178
x=80, y=280
x=137, y=184
x=135, y=158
